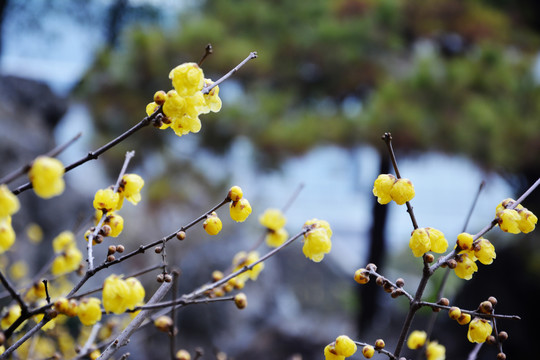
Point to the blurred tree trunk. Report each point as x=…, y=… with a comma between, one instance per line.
x=3, y=6
x=114, y=23
x=367, y=294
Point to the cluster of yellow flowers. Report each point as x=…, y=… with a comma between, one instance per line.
x=107, y=201
x=515, y=220
x=434, y=350
x=239, y=209
x=240, y=260
x=183, y=105
x=88, y=309
x=387, y=188
x=120, y=295
x=317, y=241
x=481, y=250
x=68, y=256
x=427, y=239
x=274, y=221
x=9, y=205
x=46, y=176
x=479, y=329
x=340, y=349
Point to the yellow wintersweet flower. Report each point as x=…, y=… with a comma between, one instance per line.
x=106, y=200
x=242, y=259
x=137, y=292
x=465, y=241
x=212, y=225
x=187, y=78
x=131, y=188
x=240, y=210
x=46, y=176
x=382, y=186
x=479, y=330
x=67, y=262
x=273, y=219
x=508, y=221
x=38, y=317
x=419, y=242
x=439, y=244
x=345, y=346
x=368, y=351
x=330, y=353
x=402, y=191
x=485, y=251
x=9, y=203
x=115, y=221
x=66, y=307
x=36, y=292
x=317, y=243
x=235, y=193
x=466, y=265
x=89, y=311
x=18, y=270
x=527, y=221
x=7, y=234
x=416, y=339
x=63, y=241
x=34, y=233
x=435, y=351
x=276, y=238
x=115, y=294
x=12, y=314
x=212, y=100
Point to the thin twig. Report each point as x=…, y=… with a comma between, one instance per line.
x=207, y=89
x=91, y=338
x=25, y=337
x=14, y=294
x=208, y=50
x=24, y=169
x=380, y=351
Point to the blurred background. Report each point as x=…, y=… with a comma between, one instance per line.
x=455, y=82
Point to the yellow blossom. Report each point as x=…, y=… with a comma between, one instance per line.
x=131, y=188
x=479, y=330
x=212, y=225
x=527, y=220
x=485, y=251
x=89, y=311
x=235, y=193
x=36, y=292
x=9, y=317
x=466, y=265
x=345, y=346
x=46, y=176
x=63, y=241
x=187, y=79
x=435, y=351
x=7, y=234
x=419, y=242
x=212, y=100
x=115, y=294
x=416, y=339
x=242, y=259
x=18, y=270
x=402, y=191
x=240, y=210
x=67, y=262
x=465, y=241
x=439, y=244
x=508, y=221
x=382, y=186
x=330, y=353
x=106, y=200
x=273, y=219
x=137, y=292
x=276, y=238
x=34, y=233
x=9, y=203
x=368, y=351
x=317, y=241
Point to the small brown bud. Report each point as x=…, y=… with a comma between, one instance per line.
x=240, y=300
x=110, y=258
x=181, y=235
x=219, y=292
x=111, y=250
x=485, y=307
x=228, y=288
x=501, y=356
x=398, y=292
x=159, y=278
x=120, y=248
x=98, y=239
x=429, y=258
x=443, y=301
x=379, y=344
x=452, y=263
x=387, y=287
x=52, y=313
x=80, y=270
x=400, y=282
x=491, y=340
x=503, y=336
x=167, y=278
x=380, y=281
x=371, y=267
x=454, y=313
x=158, y=249
x=105, y=230
x=160, y=97
x=2, y=338
x=182, y=355
x=492, y=300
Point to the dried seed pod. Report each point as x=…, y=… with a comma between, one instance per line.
x=400, y=282
x=503, y=336
x=485, y=307
x=110, y=258
x=120, y=248
x=371, y=267
x=181, y=235
x=429, y=258
x=443, y=301
x=111, y=249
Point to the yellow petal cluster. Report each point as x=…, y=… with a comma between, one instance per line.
x=479, y=330
x=345, y=346
x=240, y=210
x=212, y=225
x=130, y=188
x=9, y=203
x=89, y=311
x=435, y=351
x=387, y=188
x=242, y=259
x=46, y=176
x=7, y=234
x=466, y=265
x=317, y=241
x=106, y=200
x=416, y=339
x=427, y=239
x=119, y=295
x=515, y=220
